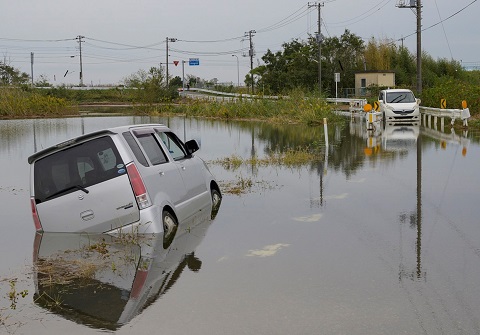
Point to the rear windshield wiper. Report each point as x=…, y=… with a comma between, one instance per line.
x=65, y=190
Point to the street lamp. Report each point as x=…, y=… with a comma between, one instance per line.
x=238, y=72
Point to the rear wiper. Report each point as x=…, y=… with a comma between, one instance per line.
x=78, y=187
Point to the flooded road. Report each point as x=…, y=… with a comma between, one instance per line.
x=379, y=235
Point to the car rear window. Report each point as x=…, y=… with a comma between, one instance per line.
x=76, y=167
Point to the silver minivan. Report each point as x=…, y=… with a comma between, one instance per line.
x=139, y=178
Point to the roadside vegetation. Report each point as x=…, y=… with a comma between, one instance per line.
x=292, y=71
x=15, y=103
x=297, y=108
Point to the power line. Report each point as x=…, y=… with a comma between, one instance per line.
x=444, y=32
x=361, y=17
x=441, y=21
x=25, y=40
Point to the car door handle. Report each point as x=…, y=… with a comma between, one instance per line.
x=183, y=167
x=161, y=173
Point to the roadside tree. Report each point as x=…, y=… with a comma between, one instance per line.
x=11, y=76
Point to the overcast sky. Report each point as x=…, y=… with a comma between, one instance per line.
x=123, y=36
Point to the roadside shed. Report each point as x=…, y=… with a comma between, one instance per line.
x=381, y=78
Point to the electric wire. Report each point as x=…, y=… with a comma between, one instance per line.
x=359, y=18
x=441, y=21
x=444, y=32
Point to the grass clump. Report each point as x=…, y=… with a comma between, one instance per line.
x=291, y=157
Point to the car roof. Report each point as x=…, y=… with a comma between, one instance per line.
x=88, y=136
x=397, y=90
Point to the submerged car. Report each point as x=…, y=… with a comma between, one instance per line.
x=398, y=105
x=140, y=178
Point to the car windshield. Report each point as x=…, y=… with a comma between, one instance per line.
x=397, y=97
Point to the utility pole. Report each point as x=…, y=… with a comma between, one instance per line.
x=319, y=6
x=251, y=53
x=31, y=65
x=419, y=47
x=167, y=40
x=238, y=71
x=417, y=5
x=80, y=41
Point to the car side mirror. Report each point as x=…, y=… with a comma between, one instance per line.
x=191, y=146
x=419, y=101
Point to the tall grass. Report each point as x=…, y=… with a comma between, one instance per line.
x=15, y=102
x=297, y=108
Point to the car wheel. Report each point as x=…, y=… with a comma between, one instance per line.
x=169, y=223
x=216, y=201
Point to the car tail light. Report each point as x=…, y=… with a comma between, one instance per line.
x=36, y=219
x=140, y=277
x=138, y=187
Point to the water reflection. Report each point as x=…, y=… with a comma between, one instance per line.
x=103, y=281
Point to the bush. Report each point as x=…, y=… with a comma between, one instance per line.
x=15, y=102
x=454, y=91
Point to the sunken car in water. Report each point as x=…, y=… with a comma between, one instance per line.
x=140, y=178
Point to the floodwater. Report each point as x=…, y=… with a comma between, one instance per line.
x=380, y=235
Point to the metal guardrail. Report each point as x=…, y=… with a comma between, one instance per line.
x=216, y=95
x=463, y=114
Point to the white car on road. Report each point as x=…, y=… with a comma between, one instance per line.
x=397, y=105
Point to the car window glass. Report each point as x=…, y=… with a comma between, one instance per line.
x=173, y=144
x=152, y=149
x=400, y=97
x=80, y=166
x=135, y=148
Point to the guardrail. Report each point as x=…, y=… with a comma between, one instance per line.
x=216, y=95
x=453, y=114
x=355, y=104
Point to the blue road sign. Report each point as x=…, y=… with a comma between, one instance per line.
x=193, y=61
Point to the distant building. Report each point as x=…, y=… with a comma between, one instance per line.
x=379, y=78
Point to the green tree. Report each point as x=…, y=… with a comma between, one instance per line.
x=284, y=70
x=151, y=86
x=344, y=55
x=175, y=82
x=296, y=66
x=11, y=76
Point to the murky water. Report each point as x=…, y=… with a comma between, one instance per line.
x=380, y=236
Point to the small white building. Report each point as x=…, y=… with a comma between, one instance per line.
x=365, y=79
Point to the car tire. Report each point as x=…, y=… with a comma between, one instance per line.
x=216, y=201
x=169, y=223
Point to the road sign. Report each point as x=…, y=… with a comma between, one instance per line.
x=337, y=77
x=175, y=62
x=376, y=105
x=443, y=103
x=193, y=61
